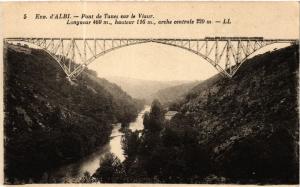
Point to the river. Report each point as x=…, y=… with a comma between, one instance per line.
x=73, y=172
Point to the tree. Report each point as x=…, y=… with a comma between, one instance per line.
x=146, y=120
x=111, y=169
x=130, y=143
x=87, y=178
x=154, y=122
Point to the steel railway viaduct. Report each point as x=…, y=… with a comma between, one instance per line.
x=226, y=54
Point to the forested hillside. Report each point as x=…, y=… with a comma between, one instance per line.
x=143, y=89
x=124, y=105
x=174, y=93
x=242, y=130
x=250, y=123
x=50, y=121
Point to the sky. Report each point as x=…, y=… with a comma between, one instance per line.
x=158, y=62
x=154, y=61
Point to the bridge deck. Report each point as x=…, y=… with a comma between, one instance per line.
x=169, y=39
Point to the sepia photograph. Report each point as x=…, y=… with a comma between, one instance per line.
x=150, y=93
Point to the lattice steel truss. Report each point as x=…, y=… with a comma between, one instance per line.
x=226, y=54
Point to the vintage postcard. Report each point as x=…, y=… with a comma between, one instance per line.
x=150, y=93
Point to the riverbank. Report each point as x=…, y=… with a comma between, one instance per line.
x=73, y=172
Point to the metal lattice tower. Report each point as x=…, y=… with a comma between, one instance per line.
x=226, y=54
